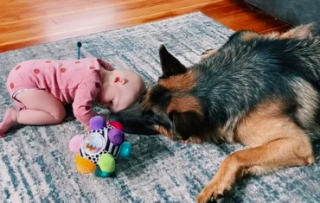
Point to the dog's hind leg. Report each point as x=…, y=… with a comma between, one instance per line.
x=300, y=32
x=278, y=142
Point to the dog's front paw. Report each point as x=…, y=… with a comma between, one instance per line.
x=212, y=193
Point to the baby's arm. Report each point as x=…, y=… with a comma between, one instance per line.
x=83, y=102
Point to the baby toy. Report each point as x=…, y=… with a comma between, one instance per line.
x=97, y=149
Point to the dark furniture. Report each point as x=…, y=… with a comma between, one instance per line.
x=294, y=12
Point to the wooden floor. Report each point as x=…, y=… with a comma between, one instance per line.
x=31, y=22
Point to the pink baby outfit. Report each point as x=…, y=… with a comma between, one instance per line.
x=71, y=81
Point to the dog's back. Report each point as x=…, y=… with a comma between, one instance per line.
x=246, y=72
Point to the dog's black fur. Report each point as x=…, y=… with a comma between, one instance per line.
x=230, y=83
x=209, y=100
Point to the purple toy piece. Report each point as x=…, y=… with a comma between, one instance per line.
x=97, y=123
x=116, y=136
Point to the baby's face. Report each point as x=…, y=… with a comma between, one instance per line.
x=121, y=99
x=121, y=92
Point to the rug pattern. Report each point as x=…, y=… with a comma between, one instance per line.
x=36, y=165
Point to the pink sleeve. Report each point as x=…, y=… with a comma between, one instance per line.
x=83, y=101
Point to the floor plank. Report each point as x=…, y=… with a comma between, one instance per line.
x=30, y=22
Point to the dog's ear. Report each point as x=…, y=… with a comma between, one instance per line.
x=169, y=64
x=186, y=124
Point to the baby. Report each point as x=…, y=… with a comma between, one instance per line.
x=41, y=88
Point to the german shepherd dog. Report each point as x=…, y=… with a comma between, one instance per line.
x=262, y=91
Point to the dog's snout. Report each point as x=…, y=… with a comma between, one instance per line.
x=147, y=113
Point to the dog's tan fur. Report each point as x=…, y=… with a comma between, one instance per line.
x=299, y=32
x=169, y=134
x=275, y=140
x=164, y=131
x=181, y=82
x=189, y=103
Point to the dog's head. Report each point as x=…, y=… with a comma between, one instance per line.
x=170, y=106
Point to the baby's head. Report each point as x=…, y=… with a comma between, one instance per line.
x=120, y=89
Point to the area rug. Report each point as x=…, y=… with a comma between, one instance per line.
x=36, y=165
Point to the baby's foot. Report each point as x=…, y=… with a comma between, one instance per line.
x=9, y=120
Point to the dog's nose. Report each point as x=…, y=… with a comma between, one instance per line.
x=147, y=114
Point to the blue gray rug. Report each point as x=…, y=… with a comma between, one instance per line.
x=36, y=165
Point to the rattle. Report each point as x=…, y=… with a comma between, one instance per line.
x=97, y=149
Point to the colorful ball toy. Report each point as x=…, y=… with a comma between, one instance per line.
x=97, y=149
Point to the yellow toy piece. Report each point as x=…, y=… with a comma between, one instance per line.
x=84, y=165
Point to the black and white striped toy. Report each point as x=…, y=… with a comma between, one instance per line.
x=98, y=148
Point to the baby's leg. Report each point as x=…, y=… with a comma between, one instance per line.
x=42, y=108
x=8, y=121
